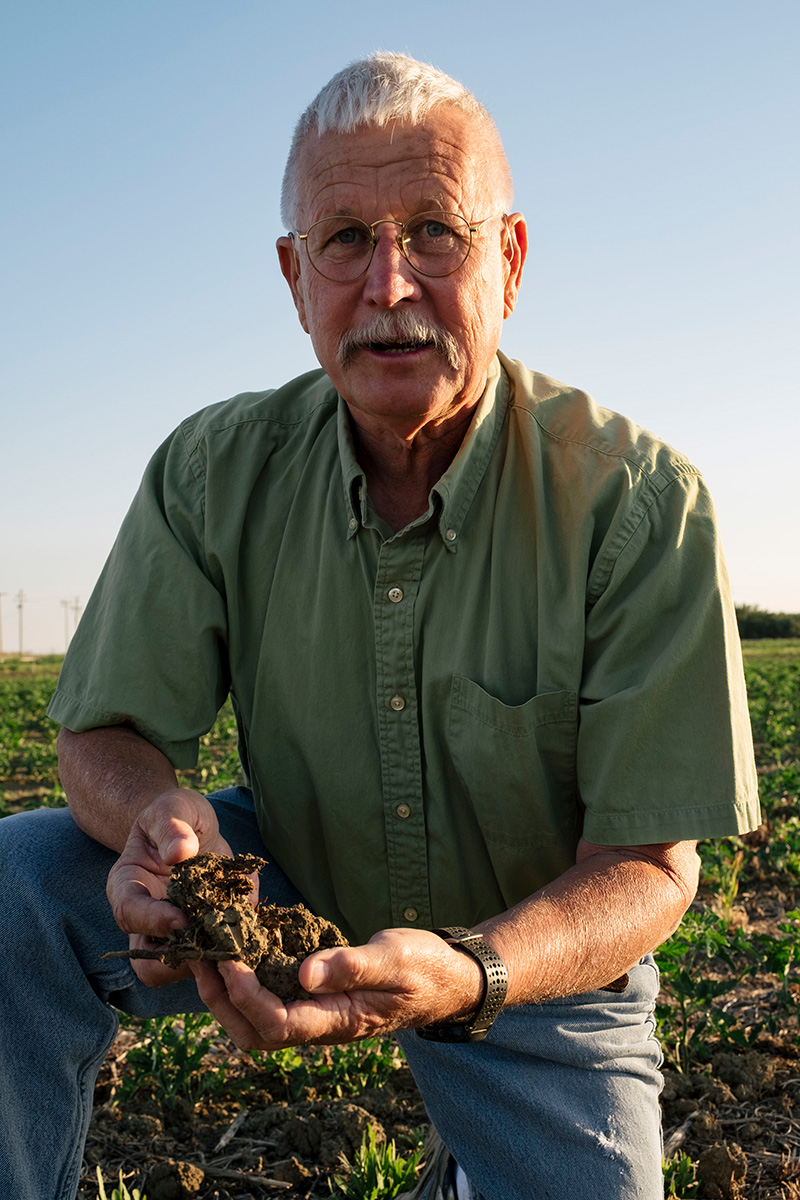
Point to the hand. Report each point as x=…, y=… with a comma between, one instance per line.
x=400, y=979
x=177, y=825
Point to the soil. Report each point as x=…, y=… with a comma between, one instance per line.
x=214, y=892
x=736, y=1112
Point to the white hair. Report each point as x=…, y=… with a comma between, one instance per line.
x=374, y=91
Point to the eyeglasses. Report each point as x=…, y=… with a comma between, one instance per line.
x=434, y=243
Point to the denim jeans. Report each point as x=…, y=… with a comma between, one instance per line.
x=560, y=1101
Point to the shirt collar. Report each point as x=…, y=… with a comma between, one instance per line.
x=451, y=497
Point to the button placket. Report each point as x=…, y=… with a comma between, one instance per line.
x=396, y=585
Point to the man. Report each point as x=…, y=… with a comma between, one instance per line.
x=484, y=662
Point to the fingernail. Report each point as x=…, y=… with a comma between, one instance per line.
x=319, y=975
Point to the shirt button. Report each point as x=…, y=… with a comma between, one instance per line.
x=353, y=523
x=451, y=535
x=403, y=810
x=395, y=595
x=397, y=703
x=410, y=914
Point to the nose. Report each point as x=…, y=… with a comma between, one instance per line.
x=389, y=277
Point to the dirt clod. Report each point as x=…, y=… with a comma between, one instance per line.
x=172, y=1180
x=721, y=1170
x=214, y=892
x=319, y=1131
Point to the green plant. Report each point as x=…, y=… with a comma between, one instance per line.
x=287, y=1067
x=684, y=962
x=120, y=1193
x=168, y=1059
x=378, y=1172
x=335, y=1070
x=349, y=1069
x=722, y=864
x=680, y=1177
x=781, y=955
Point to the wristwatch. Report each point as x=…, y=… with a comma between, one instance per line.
x=495, y=987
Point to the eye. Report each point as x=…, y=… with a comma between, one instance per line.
x=338, y=238
x=349, y=236
x=430, y=228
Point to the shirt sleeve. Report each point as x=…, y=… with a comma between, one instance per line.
x=665, y=749
x=151, y=648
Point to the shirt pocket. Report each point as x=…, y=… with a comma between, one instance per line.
x=517, y=764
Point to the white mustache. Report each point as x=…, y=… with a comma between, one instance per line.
x=400, y=328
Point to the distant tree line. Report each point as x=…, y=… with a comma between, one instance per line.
x=754, y=622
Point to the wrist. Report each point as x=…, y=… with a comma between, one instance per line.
x=477, y=1024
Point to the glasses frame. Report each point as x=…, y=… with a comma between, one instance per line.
x=473, y=227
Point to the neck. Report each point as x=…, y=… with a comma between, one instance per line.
x=401, y=468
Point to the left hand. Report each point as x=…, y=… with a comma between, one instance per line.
x=400, y=979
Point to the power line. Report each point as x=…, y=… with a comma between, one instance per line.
x=39, y=605
x=20, y=603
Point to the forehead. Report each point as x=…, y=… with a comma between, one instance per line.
x=395, y=170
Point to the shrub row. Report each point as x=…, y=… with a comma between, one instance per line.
x=755, y=622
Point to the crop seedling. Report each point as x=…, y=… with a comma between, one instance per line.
x=700, y=937
x=335, y=1070
x=169, y=1057
x=378, y=1171
x=680, y=1177
x=120, y=1193
x=357, y=1065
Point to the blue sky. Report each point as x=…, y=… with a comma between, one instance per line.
x=654, y=149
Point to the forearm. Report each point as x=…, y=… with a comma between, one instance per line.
x=110, y=775
x=596, y=921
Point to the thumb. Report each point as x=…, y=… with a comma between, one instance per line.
x=174, y=823
x=342, y=969
x=179, y=844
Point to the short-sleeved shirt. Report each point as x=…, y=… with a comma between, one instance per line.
x=429, y=719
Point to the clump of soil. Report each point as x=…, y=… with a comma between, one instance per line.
x=214, y=892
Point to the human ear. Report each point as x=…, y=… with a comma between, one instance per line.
x=515, y=251
x=290, y=269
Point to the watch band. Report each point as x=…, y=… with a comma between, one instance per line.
x=495, y=987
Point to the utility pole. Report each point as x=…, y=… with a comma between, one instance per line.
x=20, y=602
x=76, y=612
x=65, y=606
x=1, y=620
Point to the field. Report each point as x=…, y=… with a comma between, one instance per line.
x=182, y=1113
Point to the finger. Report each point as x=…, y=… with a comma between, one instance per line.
x=175, y=839
x=180, y=824
x=347, y=969
x=136, y=909
x=213, y=990
x=408, y=977
x=326, y=1019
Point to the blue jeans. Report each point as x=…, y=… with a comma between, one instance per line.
x=561, y=1100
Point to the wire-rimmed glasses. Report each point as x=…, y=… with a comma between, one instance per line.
x=434, y=243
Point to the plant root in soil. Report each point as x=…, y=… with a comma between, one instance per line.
x=214, y=893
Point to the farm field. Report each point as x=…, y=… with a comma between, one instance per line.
x=182, y=1113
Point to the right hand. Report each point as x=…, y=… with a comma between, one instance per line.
x=177, y=825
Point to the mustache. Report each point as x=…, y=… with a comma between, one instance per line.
x=398, y=329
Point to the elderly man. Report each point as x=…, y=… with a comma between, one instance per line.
x=479, y=642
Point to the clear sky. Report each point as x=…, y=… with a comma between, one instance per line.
x=654, y=149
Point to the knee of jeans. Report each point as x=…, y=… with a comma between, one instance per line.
x=45, y=855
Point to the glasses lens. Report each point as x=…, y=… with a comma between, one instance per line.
x=437, y=243
x=339, y=247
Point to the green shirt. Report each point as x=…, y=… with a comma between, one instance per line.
x=430, y=719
